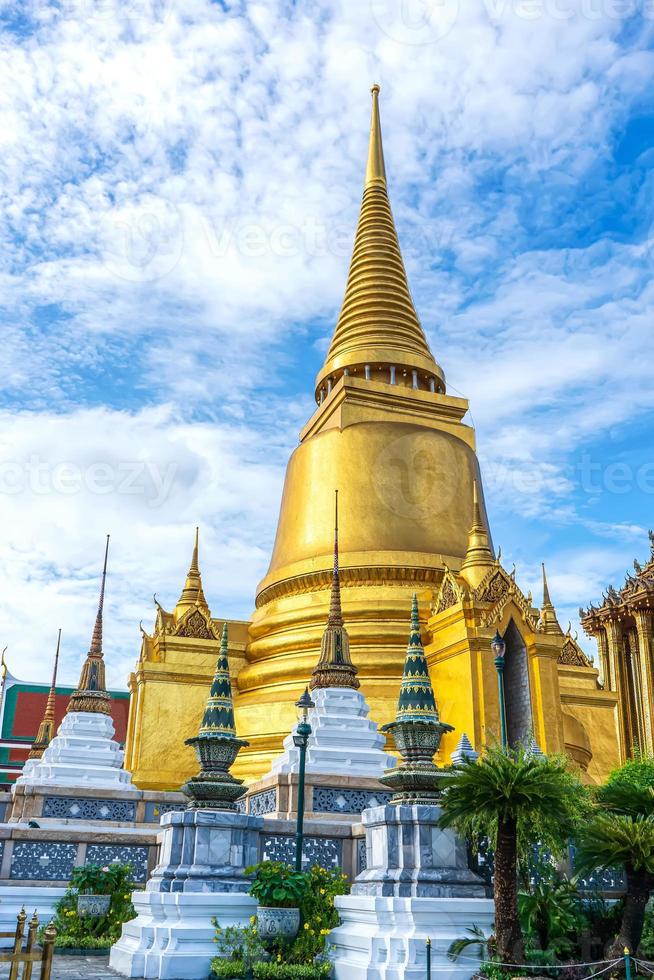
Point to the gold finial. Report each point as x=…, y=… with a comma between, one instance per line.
x=47, y=726
x=192, y=593
x=548, y=618
x=378, y=324
x=335, y=667
x=91, y=694
x=479, y=556
x=375, y=169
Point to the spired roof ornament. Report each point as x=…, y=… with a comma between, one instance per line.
x=378, y=323
x=192, y=593
x=218, y=718
x=548, y=620
x=335, y=667
x=47, y=727
x=417, y=729
x=91, y=694
x=416, y=702
x=216, y=745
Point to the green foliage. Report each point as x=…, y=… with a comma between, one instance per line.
x=629, y=790
x=551, y=915
x=474, y=942
x=541, y=793
x=610, y=839
x=646, y=948
x=240, y=944
x=277, y=885
x=88, y=932
x=317, y=913
x=92, y=879
x=223, y=970
x=68, y=941
x=317, y=918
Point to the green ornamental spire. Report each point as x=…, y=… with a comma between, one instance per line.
x=417, y=729
x=218, y=716
x=216, y=745
x=416, y=701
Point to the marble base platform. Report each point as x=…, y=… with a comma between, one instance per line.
x=385, y=938
x=343, y=741
x=172, y=935
x=32, y=898
x=200, y=875
x=408, y=855
x=82, y=753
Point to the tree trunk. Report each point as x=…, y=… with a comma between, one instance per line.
x=510, y=946
x=639, y=885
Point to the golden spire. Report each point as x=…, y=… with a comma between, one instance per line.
x=548, y=618
x=375, y=169
x=378, y=326
x=335, y=668
x=91, y=694
x=479, y=556
x=47, y=726
x=192, y=593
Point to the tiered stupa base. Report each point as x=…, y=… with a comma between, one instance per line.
x=343, y=740
x=417, y=885
x=83, y=753
x=201, y=874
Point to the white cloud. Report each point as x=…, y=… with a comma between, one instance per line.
x=179, y=195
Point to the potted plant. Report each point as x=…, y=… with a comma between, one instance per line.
x=278, y=890
x=95, y=886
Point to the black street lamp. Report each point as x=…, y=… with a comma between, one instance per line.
x=301, y=740
x=498, y=646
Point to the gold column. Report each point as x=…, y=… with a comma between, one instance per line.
x=603, y=654
x=643, y=618
x=631, y=640
x=616, y=673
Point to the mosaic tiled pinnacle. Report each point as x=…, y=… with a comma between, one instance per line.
x=218, y=718
x=417, y=729
x=216, y=745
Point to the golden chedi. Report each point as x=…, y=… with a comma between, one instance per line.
x=392, y=442
x=388, y=437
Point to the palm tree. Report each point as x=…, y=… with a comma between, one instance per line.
x=516, y=799
x=621, y=832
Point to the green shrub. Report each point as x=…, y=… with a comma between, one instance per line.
x=277, y=885
x=235, y=970
x=85, y=931
x=318, y=915
x=68, y=941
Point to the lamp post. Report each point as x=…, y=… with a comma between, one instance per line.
x=301, y=740
x=498, y=646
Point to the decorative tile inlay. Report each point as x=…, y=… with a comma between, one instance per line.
x=133, y=855
x=241, y=806
x=362, y=858
x=154, y=811
x=333, y=800
x=264, y=802
x=325, y=851
x=42, y=861
x=611, y=880
x=82, y=808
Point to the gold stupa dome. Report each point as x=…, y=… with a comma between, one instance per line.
x=392, y=442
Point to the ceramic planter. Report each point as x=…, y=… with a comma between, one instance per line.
x=93, y=905
x=275, y=923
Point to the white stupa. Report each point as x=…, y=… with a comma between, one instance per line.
x=83, y=752
x=343, y=740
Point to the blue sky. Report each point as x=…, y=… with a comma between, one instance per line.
x=180, y=187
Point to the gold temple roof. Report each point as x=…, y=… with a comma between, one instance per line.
x=378, y=323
